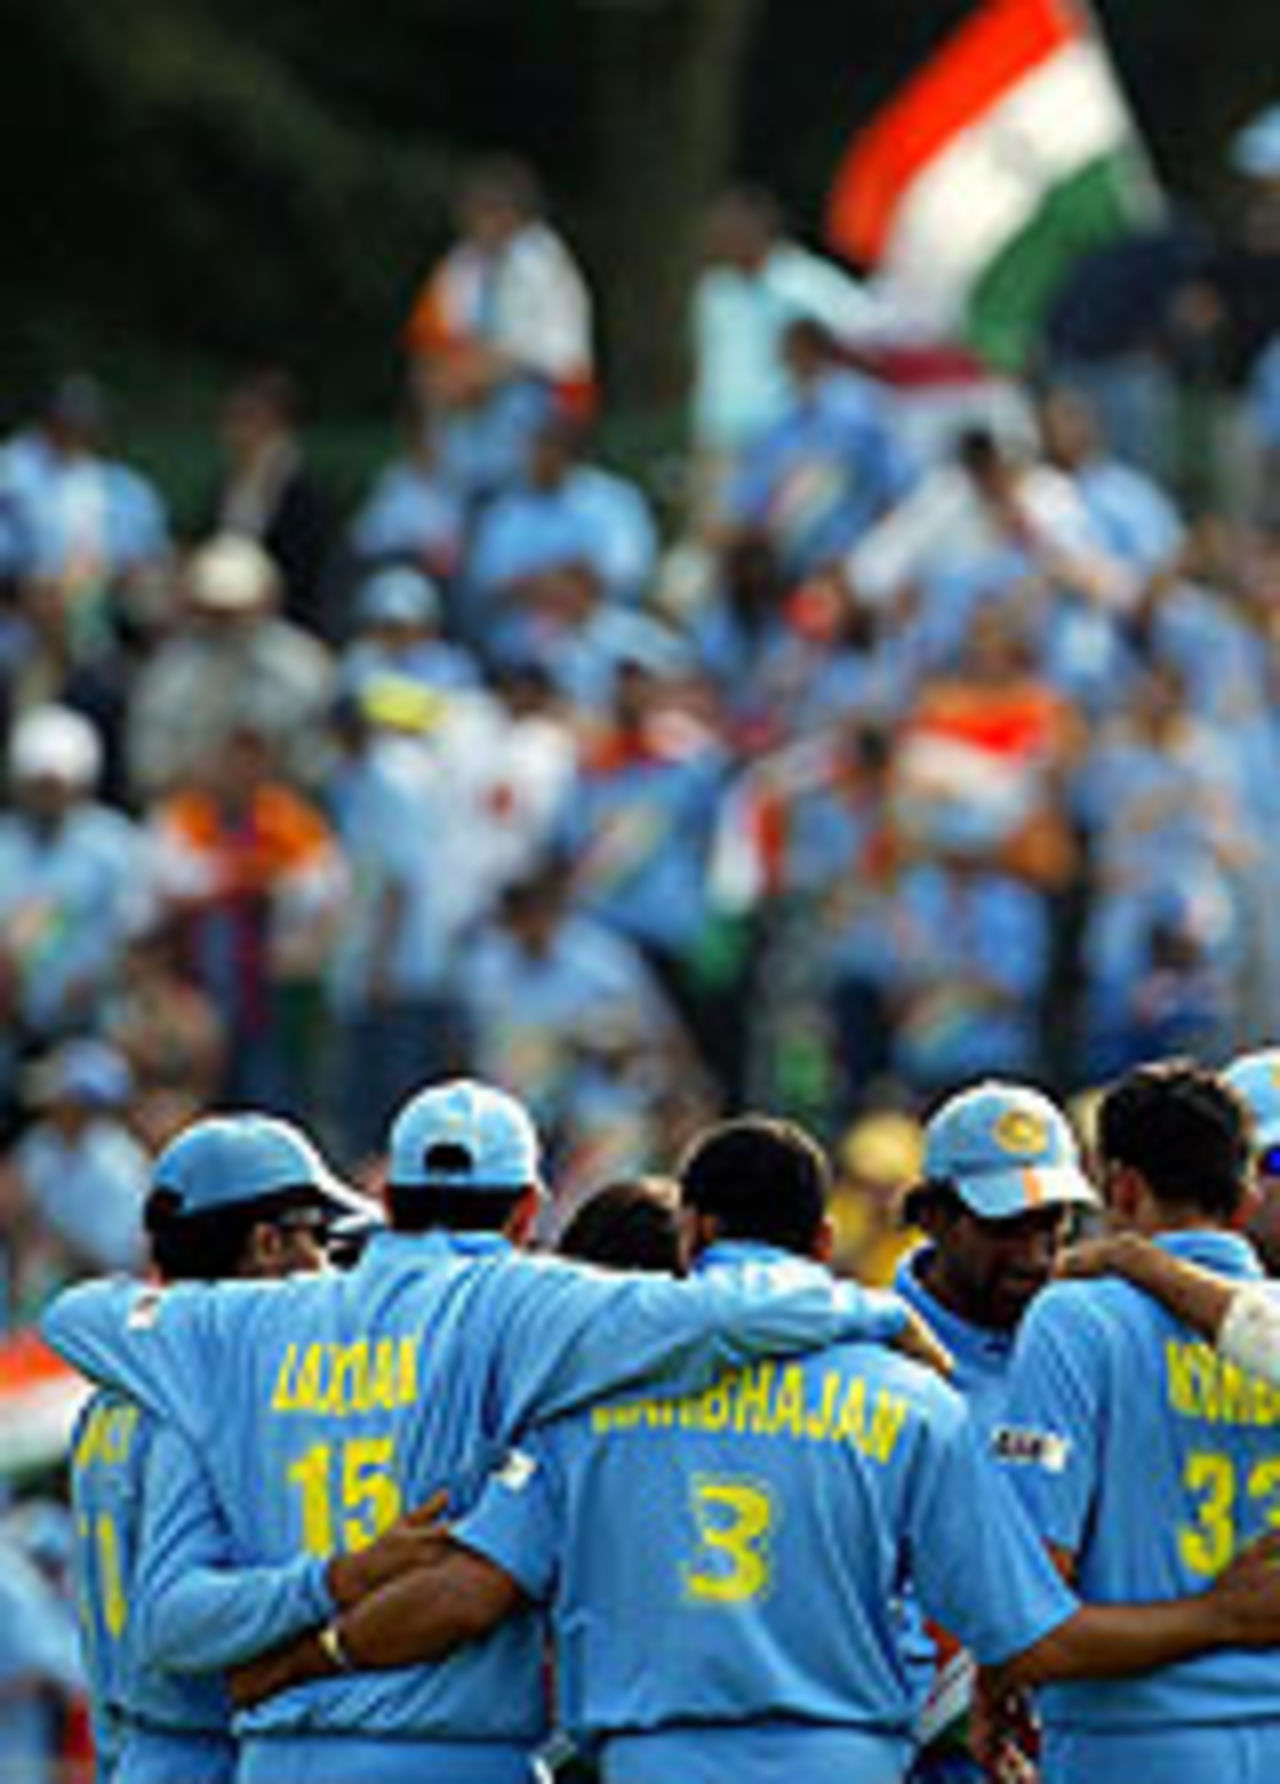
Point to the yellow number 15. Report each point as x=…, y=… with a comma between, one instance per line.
x=367, y=1492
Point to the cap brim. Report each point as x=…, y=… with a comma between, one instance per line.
x=1001, y=1195
x=344, y=1204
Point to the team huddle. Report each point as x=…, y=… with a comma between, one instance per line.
x=332, y=1522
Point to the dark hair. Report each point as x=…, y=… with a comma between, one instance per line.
x=415, y=1208
x=935, y=1195
x=630, y=1225
x=761, y=1179
x=1185, y=1130
x=210, y=1246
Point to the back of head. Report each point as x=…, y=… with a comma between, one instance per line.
x=759, y=1178
x=462, y=1155
x=1185, y=1131
x=223, y=1176
x=630, y=1225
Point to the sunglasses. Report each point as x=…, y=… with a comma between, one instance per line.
x=302, y=1220
x=1268, y=1162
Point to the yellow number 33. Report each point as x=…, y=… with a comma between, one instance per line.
x=734, y=1519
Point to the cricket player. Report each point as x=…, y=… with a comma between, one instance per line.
x=1144, y=1460
x=1002, y=1177
x=724, y=1566
x=323, y=1408
x=234, y=1196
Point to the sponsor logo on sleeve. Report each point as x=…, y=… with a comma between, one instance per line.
x=145, y=1310
x=517, y=1471
x=1033, y=1449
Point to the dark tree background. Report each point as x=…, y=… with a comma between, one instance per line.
x=190, y=184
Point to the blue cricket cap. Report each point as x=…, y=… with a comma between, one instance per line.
x=224, y=1160
x=1255, y=1078
x=398, y=596
x=464, y=1135
x=1006, y=1149
x=86, y=1071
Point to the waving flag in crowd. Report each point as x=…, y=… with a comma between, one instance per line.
x=999, y=164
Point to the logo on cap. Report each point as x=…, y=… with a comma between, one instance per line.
x=1021, y=1131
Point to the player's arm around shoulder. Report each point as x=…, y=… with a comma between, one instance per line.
x=1222, y=1311
x=163, y=1347
x=570, y=1334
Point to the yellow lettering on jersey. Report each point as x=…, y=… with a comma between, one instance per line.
x=852, y=1425
x=751, y=1403
x=107, y=1437
x=408, y=1371
x=886, y=1426
x=337, y=1380
x=715, y=1405
x=307, y=1382
x=1200, y=1385
x=818, y=1424
x=789, y=1403
x=283, y=1398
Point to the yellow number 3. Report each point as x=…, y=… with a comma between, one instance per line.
x=1224, y=1498
x=734, y=1519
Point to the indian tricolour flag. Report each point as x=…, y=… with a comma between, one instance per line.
x=1002, y=161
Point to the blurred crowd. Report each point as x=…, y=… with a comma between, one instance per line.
x=931, y=732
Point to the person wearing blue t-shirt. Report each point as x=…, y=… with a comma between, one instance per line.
x=725, y=1568
x=323, y=1407
x=829, y=467
x=232, y=1196
x=1144, y=1459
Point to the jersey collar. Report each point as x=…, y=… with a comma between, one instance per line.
x=983, y=1346
x=1229, y=1253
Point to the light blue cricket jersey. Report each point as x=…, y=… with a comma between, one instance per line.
x=323, y=1407
x=109, y=1465
x=982, y=1355
x=736, y=1556
x=1136, y=1447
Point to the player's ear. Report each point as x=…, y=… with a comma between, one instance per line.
x=263, y=1250
x=703, y=1230
x=823, y=1248
x=519, y=1223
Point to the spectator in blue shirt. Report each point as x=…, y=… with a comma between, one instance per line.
x=390, y=972
x=563, y=1008
x=81, y=1172
x=817, y=479
x=72, y=878
x=72, y=515
x=398, y=617
x=567, y=539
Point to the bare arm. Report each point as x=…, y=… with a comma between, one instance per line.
x=419, y=1618
x=1105, y=1641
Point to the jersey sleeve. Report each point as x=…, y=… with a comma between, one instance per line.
x=153, y=1345
x=574, y=1335
x=196, y=1611
x=516, y=1522
x=1049, y=1445
x=980, y=1570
